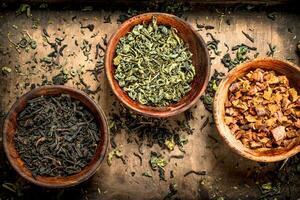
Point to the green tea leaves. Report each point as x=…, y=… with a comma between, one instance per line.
x=170, y=144
x=154, y=65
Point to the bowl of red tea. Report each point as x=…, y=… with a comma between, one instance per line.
x=257, y=110
x=55, y=136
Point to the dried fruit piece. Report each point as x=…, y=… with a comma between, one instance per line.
x=279, y=133
x=267, y=93
x=260, y=110
x=250, y=118
x=293, y=94
x=273, y=108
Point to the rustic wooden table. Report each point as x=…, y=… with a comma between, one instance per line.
x=227, y=175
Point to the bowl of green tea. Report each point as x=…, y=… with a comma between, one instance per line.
x=157, y=65
x=55, y=136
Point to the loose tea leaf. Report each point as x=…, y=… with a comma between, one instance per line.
x=195, y=172
x=154, y=65
x=157, y=161
x=5, y=70
x=147, y=174
x=248, y=37
x=56, y=136
x=172, y=191
x=88, y=26
x=139, y=157
x=60, y=79
x=24, y=8
x=114, y=153
x=170, y=144
x=272, y=50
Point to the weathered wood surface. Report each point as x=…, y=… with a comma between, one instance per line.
x=228, y=175
x=269, y=2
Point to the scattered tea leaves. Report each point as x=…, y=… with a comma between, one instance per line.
x=211, y=89
x=107, y=19
x=241, y=56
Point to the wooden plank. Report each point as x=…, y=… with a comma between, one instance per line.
x=228, y=175
x=117, y=2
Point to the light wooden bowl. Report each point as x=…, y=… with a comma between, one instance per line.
x=9, y=130
x=281, y=67
x=201, y=61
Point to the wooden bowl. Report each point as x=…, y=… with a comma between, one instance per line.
x=9, y=130
x=290, y=70
x=201, y=61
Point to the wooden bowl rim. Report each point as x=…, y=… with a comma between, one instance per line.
x=93, y=168
x=219, y=119
x=149, y=112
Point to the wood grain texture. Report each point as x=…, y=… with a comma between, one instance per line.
x=225, y=169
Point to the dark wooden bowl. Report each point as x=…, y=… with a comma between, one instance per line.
x=201, y=61
x=9, y=130
x=290, y=70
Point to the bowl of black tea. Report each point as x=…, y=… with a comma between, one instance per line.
x=55, y=136
x=157, y=64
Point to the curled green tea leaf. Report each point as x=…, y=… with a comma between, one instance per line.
x=157, y=161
